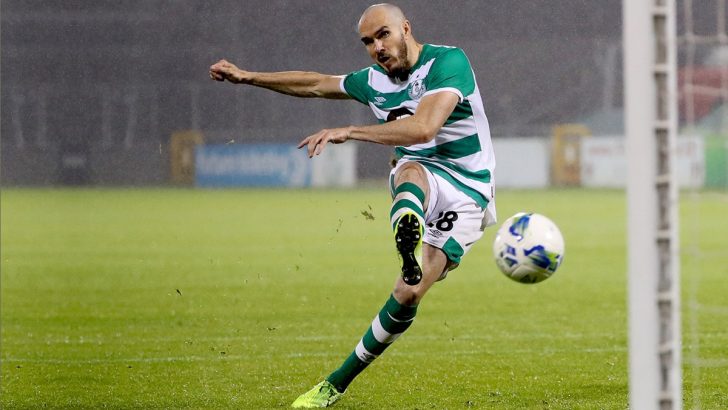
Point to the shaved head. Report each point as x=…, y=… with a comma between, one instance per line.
x=389, y=11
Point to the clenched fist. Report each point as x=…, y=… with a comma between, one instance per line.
x=225, y=70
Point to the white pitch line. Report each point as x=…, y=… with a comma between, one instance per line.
x=126, y=360
x=82, y=340
x=170, y=359
x=722, y=310
x=708, y=363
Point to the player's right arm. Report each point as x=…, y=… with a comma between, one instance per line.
x=296, y=83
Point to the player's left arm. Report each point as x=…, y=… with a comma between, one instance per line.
x=421, y=127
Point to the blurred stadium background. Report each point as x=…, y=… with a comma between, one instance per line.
x=92, y=91
x=116, y=94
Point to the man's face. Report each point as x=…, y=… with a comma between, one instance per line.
x=384, y=39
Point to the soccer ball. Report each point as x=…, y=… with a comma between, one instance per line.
x=528, y=248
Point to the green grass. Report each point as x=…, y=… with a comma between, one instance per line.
x=245, y=299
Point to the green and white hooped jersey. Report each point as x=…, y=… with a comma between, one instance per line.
x=461, y=152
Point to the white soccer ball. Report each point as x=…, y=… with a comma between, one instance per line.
x=528, y=248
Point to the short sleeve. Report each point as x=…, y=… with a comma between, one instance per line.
x=356, y=84
x=452, y=71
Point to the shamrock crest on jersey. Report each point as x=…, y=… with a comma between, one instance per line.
x=416, y=89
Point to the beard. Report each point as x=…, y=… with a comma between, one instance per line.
x=402, y=72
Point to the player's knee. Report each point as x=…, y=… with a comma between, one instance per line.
x=410, y=172
x=408, y=295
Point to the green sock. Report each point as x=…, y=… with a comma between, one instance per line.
x=408, y=197
x=386, y=327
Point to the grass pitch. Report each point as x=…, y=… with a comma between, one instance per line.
x=245, y=299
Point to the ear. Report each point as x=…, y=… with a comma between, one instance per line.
x=406, y=28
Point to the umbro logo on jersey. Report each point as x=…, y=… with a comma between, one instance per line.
x=379, y=100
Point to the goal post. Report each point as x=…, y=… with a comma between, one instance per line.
x=650, y=94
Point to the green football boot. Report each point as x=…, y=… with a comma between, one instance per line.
x=408, y=234
x=323, y=394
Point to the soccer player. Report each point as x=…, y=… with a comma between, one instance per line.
x=429, y=108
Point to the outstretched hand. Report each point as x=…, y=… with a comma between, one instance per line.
x=315, y=143
x=225, y=70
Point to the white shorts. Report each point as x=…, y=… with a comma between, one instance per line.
x=453, y=220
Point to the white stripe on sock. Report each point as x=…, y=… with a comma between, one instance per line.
x=382, y=335
x=363, y=354
x=408, y=195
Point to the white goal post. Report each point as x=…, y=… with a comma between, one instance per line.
x=650, y=94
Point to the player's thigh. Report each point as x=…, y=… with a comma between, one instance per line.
x=454, y=222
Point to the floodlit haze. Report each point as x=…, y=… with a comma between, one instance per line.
x=118, y=77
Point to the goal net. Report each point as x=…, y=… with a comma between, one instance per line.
x=702, y=40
